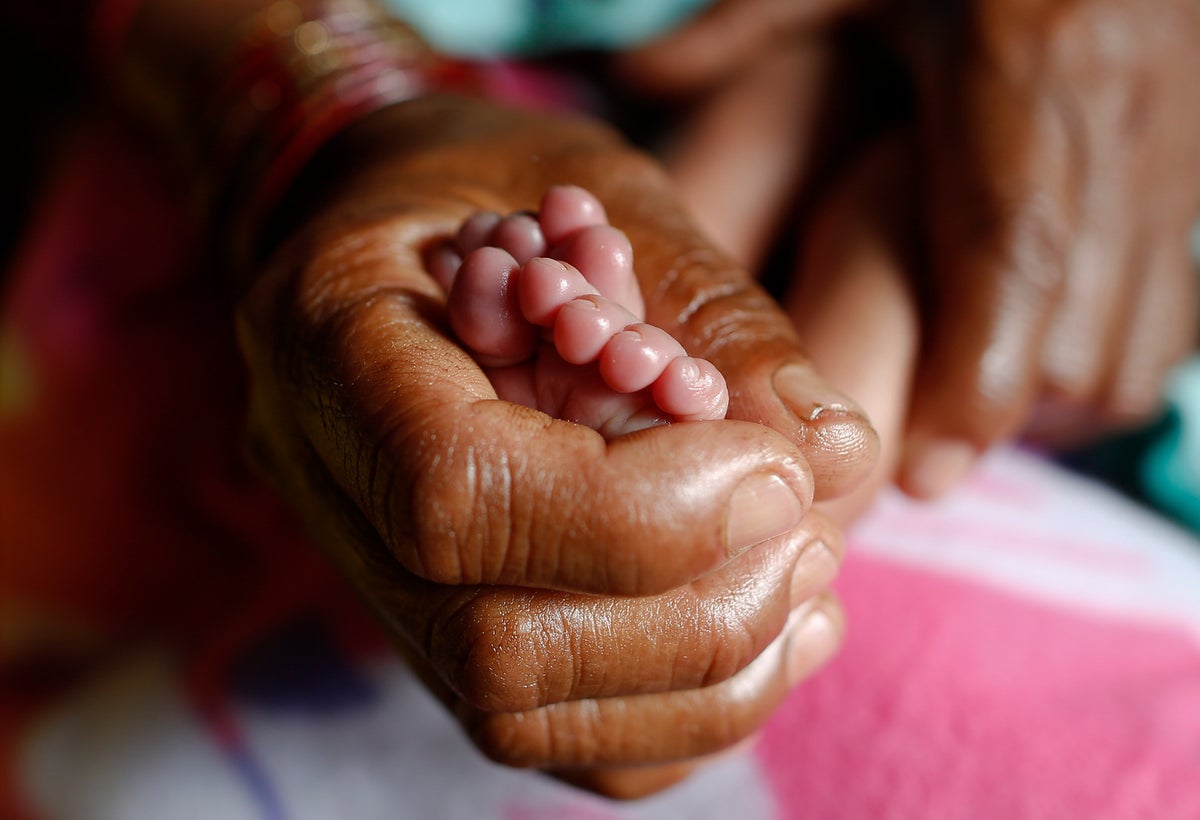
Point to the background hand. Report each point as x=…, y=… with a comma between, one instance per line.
x=1063, y=157
x=1049, y=182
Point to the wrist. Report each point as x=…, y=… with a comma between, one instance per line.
x=247, y=92
x=299, y=77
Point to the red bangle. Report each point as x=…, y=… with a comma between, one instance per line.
x=295, y=81
x=352, y=97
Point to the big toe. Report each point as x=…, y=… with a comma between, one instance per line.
x=484, y=311
x=520, y=235
x=567, y=208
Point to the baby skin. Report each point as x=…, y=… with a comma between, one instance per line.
x=549, y=306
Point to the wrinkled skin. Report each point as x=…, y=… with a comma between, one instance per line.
x=1049, y=175
x=573, y=601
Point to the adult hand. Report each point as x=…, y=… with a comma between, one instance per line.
x=1058, y=155
x=1062, y=152
x=580, y=605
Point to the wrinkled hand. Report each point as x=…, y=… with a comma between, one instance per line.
x=1061, y=144
x=1056, y=153
x=580, y=605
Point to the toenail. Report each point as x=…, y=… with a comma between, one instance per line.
x=761, y=508
x=588, y=300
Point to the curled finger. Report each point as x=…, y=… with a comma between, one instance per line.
x=672, y=726
x=512, y=650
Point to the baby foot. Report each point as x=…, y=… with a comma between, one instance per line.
x=548, y=304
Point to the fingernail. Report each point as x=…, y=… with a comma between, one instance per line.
x=762, y=507
x=837, y=437
x=808, y=396
x=811, y=643
x=815, y=570
x=934, y=466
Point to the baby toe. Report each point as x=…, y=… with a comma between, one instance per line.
x=520, y=235
x=443, y=263
x=567, y=208
x=475, y=231
x=548, y=284
x=634, y=358
x=484, y=312
x=691, y=390
x=584, y=326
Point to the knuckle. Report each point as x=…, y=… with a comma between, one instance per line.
x=515, y=740
x=993, y=409
x=496, y=655
x=719, y=314
x=735, y=315
x=735, y=648
x=1073, y=380
x=1024, y=240
x=732, y=630
x=1073, y=368
x=1073, y=388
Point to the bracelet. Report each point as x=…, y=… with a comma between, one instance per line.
x=295, y=80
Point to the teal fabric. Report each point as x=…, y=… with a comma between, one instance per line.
x=486, y=28
x=1171, y=470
